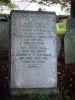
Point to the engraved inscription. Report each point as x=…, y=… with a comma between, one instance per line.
x=33, y=50
x=32, y=41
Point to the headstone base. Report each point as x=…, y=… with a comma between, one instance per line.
x=29, y=94
x=34, y=91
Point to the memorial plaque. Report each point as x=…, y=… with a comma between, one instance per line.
x=33, y=50
x=69, y=43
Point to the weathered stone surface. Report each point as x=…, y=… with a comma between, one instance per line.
x=69, y=46
x=71, y=23
x=4, y=35
x=33, y=50
x=32, y=97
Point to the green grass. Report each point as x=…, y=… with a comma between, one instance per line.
x=40, y=96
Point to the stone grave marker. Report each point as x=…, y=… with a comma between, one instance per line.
x=33, y=50
x=4, y=35
x=69, y=43
x=71, y=23
x=69, y=46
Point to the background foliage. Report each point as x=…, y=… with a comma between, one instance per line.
x=5, y=1
x=63, y=2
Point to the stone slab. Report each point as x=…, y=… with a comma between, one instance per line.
x=4, y=35
x=33, y=50
x=28, y=91
x=69, y=46
x=71, y=23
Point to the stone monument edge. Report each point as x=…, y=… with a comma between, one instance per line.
x=18, y=91
x=30, y=91
x=34, y=12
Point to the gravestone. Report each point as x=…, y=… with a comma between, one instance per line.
x=69, y=43
x=33, y=50
x=71, y=23
x=4, y=35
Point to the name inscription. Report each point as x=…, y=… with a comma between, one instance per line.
x=32, y=38
x=33, y=50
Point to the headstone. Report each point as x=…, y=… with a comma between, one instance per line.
x=69, y=46
x=33, y=50
x=71, y=24
x=4, y=35
x=69, y=43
